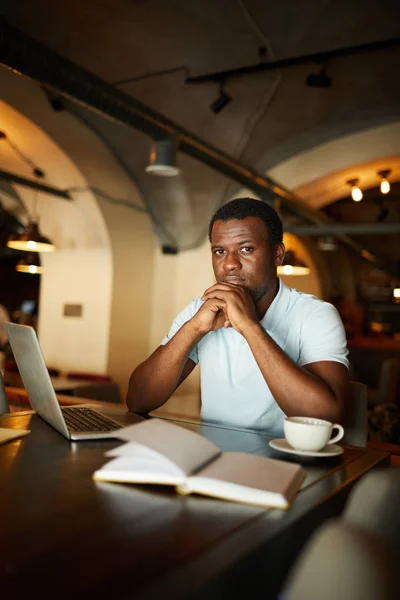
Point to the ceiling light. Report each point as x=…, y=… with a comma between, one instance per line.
x=396, y=294
x=30, y=239
x=356, y=193
x=319, y=80
x=222, y=100
x=385, y=185
x=291, y=265
x=30, y=264
x=162, y=159
x=327, y=243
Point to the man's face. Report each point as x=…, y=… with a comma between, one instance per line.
x=242, y=255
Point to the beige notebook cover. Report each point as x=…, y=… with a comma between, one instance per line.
x=159, y=452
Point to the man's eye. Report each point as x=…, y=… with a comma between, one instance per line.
x=218, y=251
x=247, y=249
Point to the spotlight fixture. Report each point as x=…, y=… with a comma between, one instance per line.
x=222, y=100
x=319, y=80
x=162, y=159
x=385, y=185
x=30, y=239
x=356, y=193
x=291, y=265
x=30, y=264
x=327, y=243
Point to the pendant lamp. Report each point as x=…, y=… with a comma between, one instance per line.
x=30, y=264
x=291, y=265
x=30, y=240
x=162, y=159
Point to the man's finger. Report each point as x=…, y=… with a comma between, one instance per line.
x=227, y=287
x=214, y=304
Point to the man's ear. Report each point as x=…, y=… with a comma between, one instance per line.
x=279, y=253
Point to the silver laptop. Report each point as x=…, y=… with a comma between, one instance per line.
x=73, y=422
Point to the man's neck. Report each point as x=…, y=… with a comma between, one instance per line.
x=265, y=302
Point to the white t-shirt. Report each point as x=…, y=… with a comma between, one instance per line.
x=233, y=390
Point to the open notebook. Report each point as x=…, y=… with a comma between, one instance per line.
x=159, y=452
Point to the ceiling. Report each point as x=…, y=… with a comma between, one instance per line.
x=272, y=117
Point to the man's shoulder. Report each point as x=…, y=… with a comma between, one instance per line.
x=306, y=304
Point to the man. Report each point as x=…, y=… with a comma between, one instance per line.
x=265, y=350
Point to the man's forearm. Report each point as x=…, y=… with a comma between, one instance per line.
x=155, y=380
x=296, y=390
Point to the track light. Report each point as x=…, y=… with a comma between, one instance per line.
x=162, y=159
x=319, y=80
x=356, y=193
x=385, y=185
x=222, y=100
x=291, y=265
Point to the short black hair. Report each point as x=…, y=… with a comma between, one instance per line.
x=241, y=208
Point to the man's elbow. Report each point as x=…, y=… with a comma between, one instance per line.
x=133, y=400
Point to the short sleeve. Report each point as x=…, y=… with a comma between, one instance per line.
x=323, y=337
x=185, y=315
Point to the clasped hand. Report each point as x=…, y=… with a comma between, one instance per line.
x=226, y=305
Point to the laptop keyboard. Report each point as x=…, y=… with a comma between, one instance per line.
x=85, y=419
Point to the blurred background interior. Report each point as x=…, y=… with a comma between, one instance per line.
x=124, y=125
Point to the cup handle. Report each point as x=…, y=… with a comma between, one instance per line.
x=339, y=435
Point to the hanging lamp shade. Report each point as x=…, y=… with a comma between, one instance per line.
x=30, y=240
x=30, y=264
x=291, y=265
x=162, y=160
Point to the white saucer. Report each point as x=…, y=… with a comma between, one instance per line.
x=283, y=446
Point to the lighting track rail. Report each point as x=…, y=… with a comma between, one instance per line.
x=316, y=58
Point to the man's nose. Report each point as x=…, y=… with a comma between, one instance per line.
x=231, y=262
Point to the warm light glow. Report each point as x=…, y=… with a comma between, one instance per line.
x=385, y=186
x=356, y=194
x=30, y=245
x=32, y=269
x=287, y=269
x=293, y=270
x=396, y=293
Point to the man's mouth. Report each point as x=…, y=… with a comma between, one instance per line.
x=233, y=279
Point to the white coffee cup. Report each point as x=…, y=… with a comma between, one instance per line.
x=307, y=433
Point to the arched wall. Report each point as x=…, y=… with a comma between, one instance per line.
x=78, y=230
x=116, y=271
x=319, y=175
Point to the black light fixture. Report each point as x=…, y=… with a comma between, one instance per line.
x=292, y=265
x=319, y=80
x=222, y=100
x=162, y=160
x=385, y=185
x=30, y=239
x=30, y=264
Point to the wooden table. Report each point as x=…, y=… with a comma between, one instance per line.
x=66, y=536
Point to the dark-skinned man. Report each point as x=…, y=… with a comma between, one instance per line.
x=265, y=350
